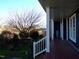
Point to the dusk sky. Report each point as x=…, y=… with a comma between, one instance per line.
x=10, y=7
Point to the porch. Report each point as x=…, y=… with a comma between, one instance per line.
x=62, y=24
x=60, y=49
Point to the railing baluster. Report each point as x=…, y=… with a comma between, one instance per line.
x=40, y=46
x=34, y=50
x=43, y=44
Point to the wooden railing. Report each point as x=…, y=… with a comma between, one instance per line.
x=39, y=47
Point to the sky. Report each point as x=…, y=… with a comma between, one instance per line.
x=10, y=7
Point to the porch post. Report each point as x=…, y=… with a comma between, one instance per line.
x=62, y=29
x=52, y=29
x=66, y=29
x=47, y=30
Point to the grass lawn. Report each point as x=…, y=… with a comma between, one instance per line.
x=23, y=52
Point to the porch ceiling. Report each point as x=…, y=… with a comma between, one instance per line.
x=61, y=8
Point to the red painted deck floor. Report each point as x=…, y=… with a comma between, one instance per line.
x=60, y=49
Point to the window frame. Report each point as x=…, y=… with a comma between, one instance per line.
x=72, y=28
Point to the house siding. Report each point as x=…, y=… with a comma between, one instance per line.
x=77, y=29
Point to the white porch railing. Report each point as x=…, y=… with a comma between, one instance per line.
x=39, y=47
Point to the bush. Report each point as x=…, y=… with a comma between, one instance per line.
x=23, y=34
x=34, y=34
x=9, y=40
x=13, y=46
x=42, y=34
x=5, y=39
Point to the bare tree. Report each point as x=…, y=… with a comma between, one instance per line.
x=23, y=21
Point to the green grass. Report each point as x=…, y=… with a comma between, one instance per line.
x=23, y=52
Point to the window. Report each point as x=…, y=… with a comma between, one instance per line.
x=72, y=28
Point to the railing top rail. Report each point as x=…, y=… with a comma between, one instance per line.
x=40, y=40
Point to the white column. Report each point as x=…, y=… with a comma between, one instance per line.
x=66, y=29
x=52, y=29
x=61, y=29
x=47, y=30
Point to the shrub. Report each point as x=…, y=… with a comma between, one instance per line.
x=42, y=34
x=23, y=34
x=5, y=39
x=34, y=34
x=9, y=40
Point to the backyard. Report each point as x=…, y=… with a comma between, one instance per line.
x=13, y=46
x=22, y=22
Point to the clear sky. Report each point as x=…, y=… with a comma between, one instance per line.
x=8, y=7
x=12, y=4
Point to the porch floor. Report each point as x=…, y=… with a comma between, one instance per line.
x=61, y=49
